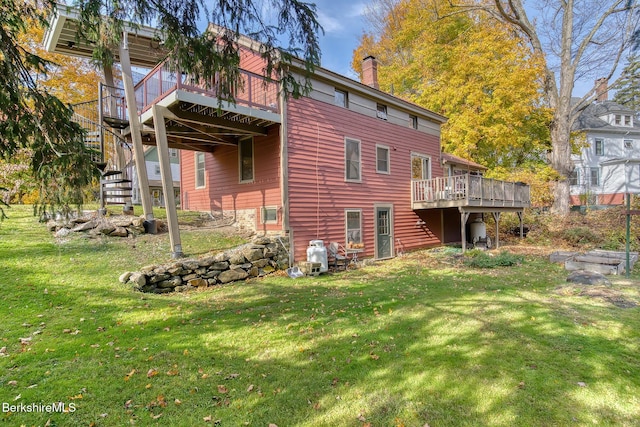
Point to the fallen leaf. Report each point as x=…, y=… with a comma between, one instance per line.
x=177, y=401
x=222, y=389
x=375, y=356
x=207, y=419
x=128, y=403
x=13, y=382
x=173, y=372
x=582, y=384
x=129, y=375
x=152, y=373
x=250, y=388
x=155, y=417
x=204, y=376
x=148, y=386
x=232, y=376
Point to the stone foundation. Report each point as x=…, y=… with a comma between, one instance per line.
x=259, y=258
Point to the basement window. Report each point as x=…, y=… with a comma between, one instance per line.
x=269, y=215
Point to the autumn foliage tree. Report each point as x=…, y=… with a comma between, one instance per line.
x=464, y=66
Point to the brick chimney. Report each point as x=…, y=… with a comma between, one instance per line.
x=370, y=72
x=602, y=89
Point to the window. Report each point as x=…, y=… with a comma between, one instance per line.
x=269, y=215
x=618, y=119
x=352, y=160
x=200, y=170
x=245, y=154
x=599, y=146
x=574, y=178
x=173, y=152
x=157, y=169
x=595, y=177
x=353, y=226
x=627, y=121
x=413, y=121
x=420, y=167
x=341, y=98
x=382, y=111
x=628, y=143
x=382, y=159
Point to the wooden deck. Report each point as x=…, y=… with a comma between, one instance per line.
x=253, y=91
x=469, y=191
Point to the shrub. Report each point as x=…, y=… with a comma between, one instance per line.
x=579, y=236
x=480, y=259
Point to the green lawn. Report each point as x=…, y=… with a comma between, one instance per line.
x=408, y=342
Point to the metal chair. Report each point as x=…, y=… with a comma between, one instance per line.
x=338, y=254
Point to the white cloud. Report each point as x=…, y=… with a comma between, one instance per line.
x=329, y=23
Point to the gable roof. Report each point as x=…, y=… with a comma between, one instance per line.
x=450, y=158
x=590, y=118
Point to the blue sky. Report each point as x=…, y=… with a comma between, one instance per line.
x=343, y=25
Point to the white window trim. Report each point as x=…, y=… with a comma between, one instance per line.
x=346, y=97
x=173, y=152
x=595, y=146
x=413, y=121
x=253, y=162
x=263, y=209
x=346, y=225
x=423, y=156
x=388, y=171
x=204, y=170
x=359, y=179
x=591, y=184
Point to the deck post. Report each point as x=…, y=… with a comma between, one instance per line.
x=136, y=136
x=521, y=224
x=464, y=216
x=167, y=180
x=496, y=217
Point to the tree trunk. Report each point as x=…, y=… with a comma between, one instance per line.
x=561, y=156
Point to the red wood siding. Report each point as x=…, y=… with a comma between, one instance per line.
x=223, y=190
x=318, y=193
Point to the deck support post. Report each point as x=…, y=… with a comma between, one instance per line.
x=464, y=216
x=496, y=217
x=167, y=180
x=136, y=136
x=521, y=224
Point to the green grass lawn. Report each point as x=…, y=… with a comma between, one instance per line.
x=409, y=342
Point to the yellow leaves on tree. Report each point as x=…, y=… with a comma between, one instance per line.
x=72, y=80
x=472, y=69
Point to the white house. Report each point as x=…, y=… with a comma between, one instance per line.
x=153, y=172
x=608, y=165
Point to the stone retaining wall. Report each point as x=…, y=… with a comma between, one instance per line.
x=262, y=256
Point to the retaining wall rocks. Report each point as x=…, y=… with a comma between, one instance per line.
x=262, y=256
x=115, y=226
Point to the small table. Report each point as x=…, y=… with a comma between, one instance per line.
x=354, y=254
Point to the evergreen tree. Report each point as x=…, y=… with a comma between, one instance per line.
x=628, y=91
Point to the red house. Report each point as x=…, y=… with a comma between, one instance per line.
x=348, y=163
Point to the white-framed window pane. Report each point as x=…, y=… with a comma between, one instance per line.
x=420, y=167
x=200, y=170
x=352, y=160
x=382, y=159
x=157, y=169
x=245, y=148
x=269, y=215
x=628, y=143
x=353, y=227
x=599, y=147
x=381, y=111
x=595, y=177
x=173, y=152
x=574, y=178
x=341, y=98
x=413, y=121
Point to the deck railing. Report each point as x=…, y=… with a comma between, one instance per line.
x=470, y=190
x=253, y=90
